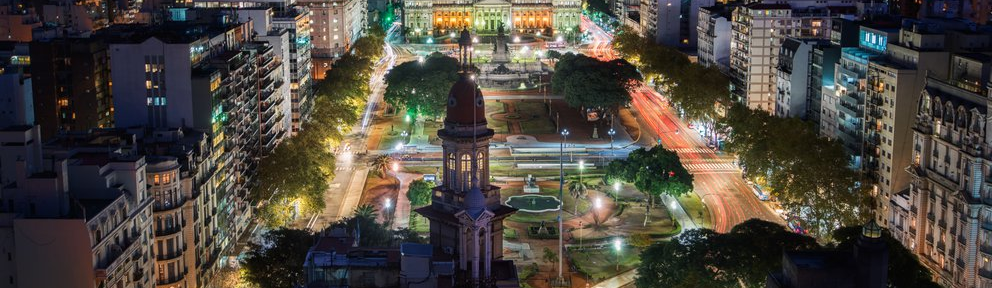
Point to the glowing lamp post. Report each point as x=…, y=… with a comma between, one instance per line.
x=561, y=195
x=617, y=245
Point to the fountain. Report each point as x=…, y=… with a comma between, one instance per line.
x=534, y=203
x=502, y=73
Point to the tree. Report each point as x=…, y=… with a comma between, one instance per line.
x=366, y=211
x=654, y=172
x=549, y=256
x=297, y=171
x=704, y=258
x=379, y=164
x=590, y=83
x=905, y=269
x=577, y=188
x=422, y=88
x=808, y=174
x=276, y=261
x=641, y=240
x=419, y=192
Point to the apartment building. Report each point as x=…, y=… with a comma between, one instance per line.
x=850, y=88
x=947, y=224
x=16, y=24
x=713, y=36
x=794, y=71
x=71, y=85
x=296, y=20
x=758, y=30
x=82, y=215
x=843, y=33
x=16, y=84
x=672, y=22
x=335, y=25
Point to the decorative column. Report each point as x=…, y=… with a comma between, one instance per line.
x=489, y=252
x=475, y=253
x=461, y=251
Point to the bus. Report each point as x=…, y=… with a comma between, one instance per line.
x=759, y=193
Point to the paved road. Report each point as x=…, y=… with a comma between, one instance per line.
x=345, y=190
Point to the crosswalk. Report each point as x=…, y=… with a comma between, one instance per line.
x=711, y=167
x=693, y=150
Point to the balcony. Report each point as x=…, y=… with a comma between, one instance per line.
x=170, y=230
x=169, y=282
x=171, y=256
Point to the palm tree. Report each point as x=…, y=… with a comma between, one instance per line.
x=379, y=164
x=366, y=211
x=577, y=188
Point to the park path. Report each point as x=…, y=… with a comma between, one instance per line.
x=401, y=214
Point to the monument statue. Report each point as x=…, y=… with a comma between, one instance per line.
x=501, y=51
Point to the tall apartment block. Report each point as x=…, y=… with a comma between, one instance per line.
x=82, y=215
x=71, y=83
x=16, y=84
x=713, y=36
x=672, y=22
x=949, y=224
x=16, y=23
x=335, y=25
x=296, y=20
x=758, y=32
x=220, y=82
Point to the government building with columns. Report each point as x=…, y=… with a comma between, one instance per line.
x=483, y=17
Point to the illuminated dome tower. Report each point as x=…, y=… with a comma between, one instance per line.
x=466, y=215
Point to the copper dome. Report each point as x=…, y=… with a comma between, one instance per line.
x=465, y=103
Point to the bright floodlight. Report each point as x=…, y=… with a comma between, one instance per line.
x=559, y=39
x=564, y=132
x=399, y=146
x=582, y=164
x=420, y=59
x=611, y=132
x=598, y=203
x=388, y=203
x=396, y=166
x=407, y=118
x=475, y=39
x=616, y=186
x=452, y=35
x=673, y=205
x=516, y=39
x=430, y=40
x=617, y=244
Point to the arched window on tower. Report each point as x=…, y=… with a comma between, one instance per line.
x=466, y=173
x=481, y=162
x=449, y=171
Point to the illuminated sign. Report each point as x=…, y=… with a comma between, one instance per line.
x=873, y=41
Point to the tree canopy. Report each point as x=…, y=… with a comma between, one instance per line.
x=692, y=87
x=297, y=171
x=276, y=261
x=656, y=171
x=808, y=174
x=422, y=87
x=704, y=258
x=419, y=192
x=587, y=82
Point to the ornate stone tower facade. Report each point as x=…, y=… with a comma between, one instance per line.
x=466, y=215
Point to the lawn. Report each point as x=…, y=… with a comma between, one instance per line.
x=547, y=217
x=534, y=118
x=599, y=264
x=695, y=208
x=419, y=224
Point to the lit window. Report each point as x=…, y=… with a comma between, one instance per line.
x=148, y=84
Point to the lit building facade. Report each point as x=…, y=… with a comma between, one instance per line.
x=440, y=17
x=758, y=30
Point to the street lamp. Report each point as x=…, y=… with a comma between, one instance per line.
x=616, y=190
x=396, y=167
x=561, y=195
x=582, y=166
x=617, y=245
x=611, y=133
